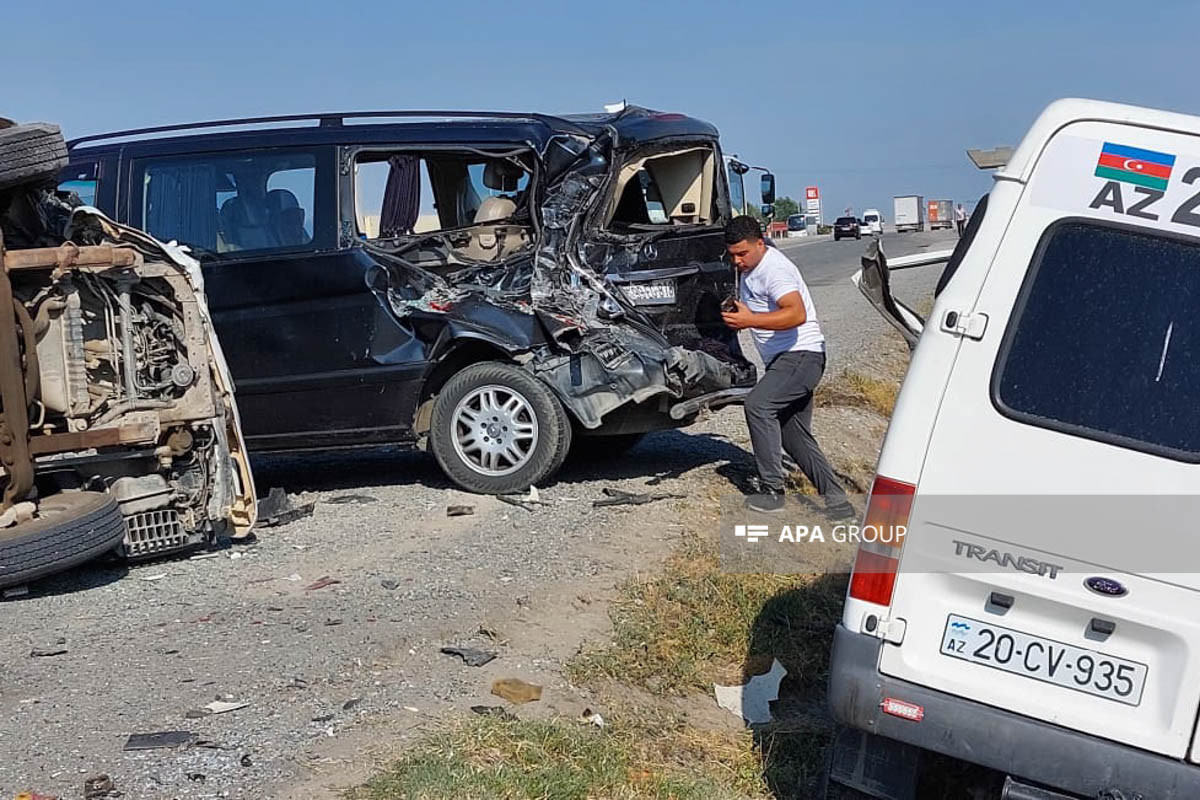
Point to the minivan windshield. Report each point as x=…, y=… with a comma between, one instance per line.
x=871, y=218
x=1105, y=339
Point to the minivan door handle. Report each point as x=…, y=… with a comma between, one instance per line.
x=971, y=326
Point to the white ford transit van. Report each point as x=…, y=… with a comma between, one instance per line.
x=1040, y=616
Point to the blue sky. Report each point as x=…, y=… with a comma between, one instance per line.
x=865, y=99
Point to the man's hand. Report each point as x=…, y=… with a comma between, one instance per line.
x=740, y=318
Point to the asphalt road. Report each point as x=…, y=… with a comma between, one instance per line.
x=823, y=261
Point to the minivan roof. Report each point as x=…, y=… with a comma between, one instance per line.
x=632, y=125
x=1061, y=113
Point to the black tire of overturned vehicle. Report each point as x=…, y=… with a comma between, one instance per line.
x=72, y=527
x=550, y=446
x=30, y=153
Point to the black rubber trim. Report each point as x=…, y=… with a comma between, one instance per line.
x=1029, y=749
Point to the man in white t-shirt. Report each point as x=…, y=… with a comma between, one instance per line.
x=775, y=305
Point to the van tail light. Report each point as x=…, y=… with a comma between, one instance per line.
x=886, y=522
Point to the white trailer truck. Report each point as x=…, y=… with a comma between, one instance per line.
x=909, y=213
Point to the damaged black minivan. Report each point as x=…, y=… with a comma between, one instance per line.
x=485, y=285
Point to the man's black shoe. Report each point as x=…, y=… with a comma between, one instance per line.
x=840, y=511
x=768, y=499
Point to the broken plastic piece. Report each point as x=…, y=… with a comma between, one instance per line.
x=471, y=656
x=460, y=511
x=278, y=509
x=752, y=700
x=159, y=740
x=222, y=706
x=619, y=497
x=515, y=690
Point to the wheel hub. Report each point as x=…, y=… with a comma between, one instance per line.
x=495, y=430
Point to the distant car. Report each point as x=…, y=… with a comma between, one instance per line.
x=864, y=227
x=874, y=219
x=845, y=227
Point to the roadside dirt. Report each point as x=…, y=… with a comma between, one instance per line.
x=341, y=678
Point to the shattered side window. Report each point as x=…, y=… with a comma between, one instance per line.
x=406, y=193
x=225, y=204
x=673, y=188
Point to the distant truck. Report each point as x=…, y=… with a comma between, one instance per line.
x=941, y=214
x=909, y=213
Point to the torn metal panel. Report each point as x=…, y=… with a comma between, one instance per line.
x=555, y=314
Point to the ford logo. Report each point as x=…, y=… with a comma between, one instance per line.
x=1106, y=586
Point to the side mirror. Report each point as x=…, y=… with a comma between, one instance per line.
x=768, y=189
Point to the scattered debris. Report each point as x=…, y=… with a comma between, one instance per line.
x=460, y=511
x=35, y=796
x=752, y=700
x=298, y=683
x=204, y=556
x=333, y=621
x=321, y=583
x=196, y=713
x=413, y=709
x=471, y=656
x=515, y=690
x=278, y=509
x=323, y=718
x=351, y=703
x=619, y=497
x=525, y=501
x=593, y=718
x=159, y=740
x=495, y=711
x=351, y=499
x=224, y=706
x=97, y=786
x=56, y=649
x=246, y=761
x=197, y=777
x=391, y=584
x=295, y=576
x=158, y=576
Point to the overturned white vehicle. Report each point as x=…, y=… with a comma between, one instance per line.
x=118, y=428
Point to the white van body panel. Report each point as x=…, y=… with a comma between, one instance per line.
x=948, y=437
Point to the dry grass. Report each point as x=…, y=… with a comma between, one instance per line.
x=859, y=391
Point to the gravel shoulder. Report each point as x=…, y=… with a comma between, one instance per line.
x=339, y=678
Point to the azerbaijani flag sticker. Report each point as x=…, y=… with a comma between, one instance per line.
x=1147, y=168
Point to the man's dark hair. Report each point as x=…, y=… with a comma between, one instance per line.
x=743, y=229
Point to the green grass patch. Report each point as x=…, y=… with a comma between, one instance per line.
x=486, y=758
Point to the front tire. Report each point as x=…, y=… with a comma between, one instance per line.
x=496, y=429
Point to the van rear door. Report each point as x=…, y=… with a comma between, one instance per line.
x=1041, y=574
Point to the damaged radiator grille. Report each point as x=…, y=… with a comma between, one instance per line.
x=150, y=532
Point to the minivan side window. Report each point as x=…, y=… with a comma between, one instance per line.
x=1104, y=339
x=82, y=179
x=223, y=204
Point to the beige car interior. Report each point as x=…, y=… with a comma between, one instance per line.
x=491, y=238
x=683, y=181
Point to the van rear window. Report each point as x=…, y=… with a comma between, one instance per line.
x=1105, y=339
